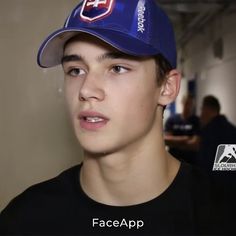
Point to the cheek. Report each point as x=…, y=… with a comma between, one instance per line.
x=146, y=110
x=140, y=105
x=71, y=97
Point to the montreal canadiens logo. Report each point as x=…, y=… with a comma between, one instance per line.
x=96, y=9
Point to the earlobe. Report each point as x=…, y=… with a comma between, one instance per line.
x=170, y=88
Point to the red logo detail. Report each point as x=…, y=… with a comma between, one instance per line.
x=96, y=9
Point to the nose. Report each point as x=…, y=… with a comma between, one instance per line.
x=92, y=88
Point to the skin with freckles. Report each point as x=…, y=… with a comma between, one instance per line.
x=116, y=111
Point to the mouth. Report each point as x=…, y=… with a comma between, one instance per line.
x=92, y=121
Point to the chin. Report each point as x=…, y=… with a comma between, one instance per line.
x=96, y=147
x=97, y=153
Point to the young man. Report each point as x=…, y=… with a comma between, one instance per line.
x=119, y=61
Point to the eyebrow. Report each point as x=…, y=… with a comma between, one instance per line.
x=115, y=55
x=105, y=56
x=69, y=58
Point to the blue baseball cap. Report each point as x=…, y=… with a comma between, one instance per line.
x=135, y=27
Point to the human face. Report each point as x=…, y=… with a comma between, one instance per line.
x=112, y=98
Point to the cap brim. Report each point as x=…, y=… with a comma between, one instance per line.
x=51, y=51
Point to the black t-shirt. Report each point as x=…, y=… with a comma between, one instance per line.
x=189, y=206
x=178, y=126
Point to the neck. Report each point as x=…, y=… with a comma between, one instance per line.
x=131, y=176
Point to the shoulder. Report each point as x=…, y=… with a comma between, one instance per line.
x=219, y=126
x=64, y=182
x=203, y=190
x=191, y=182
x=195, y=178
x=212, y=203
x=41, y=206
x=44, y=193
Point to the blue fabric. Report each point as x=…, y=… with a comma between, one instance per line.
x=137, y=27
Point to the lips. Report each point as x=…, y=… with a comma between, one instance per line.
x=92, y=121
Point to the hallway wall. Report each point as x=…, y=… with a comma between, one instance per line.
x=36, y=139
x=214, y=75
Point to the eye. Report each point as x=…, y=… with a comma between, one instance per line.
x=119, y=69
x=75, y=72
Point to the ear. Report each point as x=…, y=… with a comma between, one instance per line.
x=170, y=88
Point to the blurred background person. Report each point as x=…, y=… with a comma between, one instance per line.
x=181, y=131
x=215, y=130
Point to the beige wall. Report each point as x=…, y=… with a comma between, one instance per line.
x=36, y=141
x=214, y=76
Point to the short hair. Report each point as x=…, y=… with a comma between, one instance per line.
x=163, y=67
x=211, y=102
